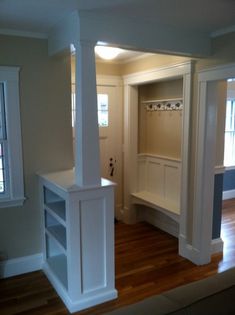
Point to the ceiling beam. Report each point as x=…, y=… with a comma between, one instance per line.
x=128, y=33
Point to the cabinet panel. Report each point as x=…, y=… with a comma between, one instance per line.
x=93, y=240
x=155, y=177
x=172, y=184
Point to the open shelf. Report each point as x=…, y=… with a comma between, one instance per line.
x=58, y=232
x=55, y=203
x=57, y=209
x=58, y=265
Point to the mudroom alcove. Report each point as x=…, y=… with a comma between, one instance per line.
x=157, y=108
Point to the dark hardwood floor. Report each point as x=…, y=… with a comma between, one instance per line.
x=147, y=263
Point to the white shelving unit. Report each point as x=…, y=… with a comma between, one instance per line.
x=78, y=239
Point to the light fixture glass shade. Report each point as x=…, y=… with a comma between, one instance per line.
x=107, y=53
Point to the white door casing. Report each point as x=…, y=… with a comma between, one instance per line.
x=205, y=159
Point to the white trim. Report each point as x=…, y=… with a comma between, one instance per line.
x=164, y=157
x=217, y=245
x=193, y=254
x=205, y=157
x=9, y=76
x=18, y=266
x=11, y=203
x=220, y=169
x=119, y=212
x=229, y=168
x=228, y=194
x=11, y=32
x=85, y=303
x=187, y=250
x=156, y=74
x=221, y=72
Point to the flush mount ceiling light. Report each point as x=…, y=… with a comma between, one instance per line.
x=107, y=53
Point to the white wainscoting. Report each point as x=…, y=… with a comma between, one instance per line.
x=159, y=185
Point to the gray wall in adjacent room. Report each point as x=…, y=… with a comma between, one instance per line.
x=217, y=206
x=229, y=180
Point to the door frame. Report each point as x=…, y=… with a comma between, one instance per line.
x=117, y=83
x=205, y=159
x=131, y=82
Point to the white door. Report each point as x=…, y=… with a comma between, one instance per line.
x=110, y=135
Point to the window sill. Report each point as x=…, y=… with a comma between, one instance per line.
x=7, y=203
x=229, y=168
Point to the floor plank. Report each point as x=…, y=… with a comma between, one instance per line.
x=147, y=263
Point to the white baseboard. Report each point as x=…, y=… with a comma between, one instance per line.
x=217, y=245
x=188, y=251
x=83, y=302
x=192, y=254
x=18, y=266
x=119, y=212
x=228, y=194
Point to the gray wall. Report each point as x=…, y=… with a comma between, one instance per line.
x=229, y=180
x=46, y=135
x=217, y=206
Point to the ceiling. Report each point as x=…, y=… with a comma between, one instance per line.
x=38, y=17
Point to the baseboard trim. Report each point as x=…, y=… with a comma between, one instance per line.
x=217, y=245
x=119, y=212
x=228, y=194
x=104, y=295
x=187, y=251
x=192, y=254
x=21, y=265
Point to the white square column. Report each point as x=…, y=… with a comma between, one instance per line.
x=87, y=156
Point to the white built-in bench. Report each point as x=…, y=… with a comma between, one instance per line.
x=159, y=184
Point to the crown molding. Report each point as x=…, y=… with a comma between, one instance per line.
x=11, y=32
x=223, y=31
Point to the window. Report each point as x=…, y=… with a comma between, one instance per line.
x=229, y=137
x=103, y=110
x=102, y=104
x=11, y=166
x=3, y=143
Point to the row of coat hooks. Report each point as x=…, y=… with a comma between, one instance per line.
x=164, y=105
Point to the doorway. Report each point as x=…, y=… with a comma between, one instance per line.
x=205, y=159
x=129, y=149
x=110, y=138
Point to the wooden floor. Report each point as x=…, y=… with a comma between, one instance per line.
x=147, y=263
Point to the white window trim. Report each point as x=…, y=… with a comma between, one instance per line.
x=15, y=195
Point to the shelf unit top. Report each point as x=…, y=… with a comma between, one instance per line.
x=65, y=180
